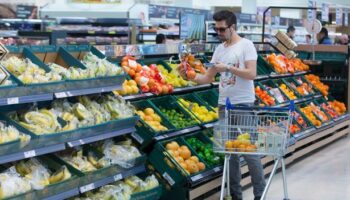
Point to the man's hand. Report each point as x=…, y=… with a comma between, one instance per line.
x=220, y=67
x=182, y=72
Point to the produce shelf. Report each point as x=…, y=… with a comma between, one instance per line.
x=87, y=91
x=64, y=195
x=31, y=153
x=102, y=136
x=177, y=133
x=25, y=99
x=111, y=179
x=191, y=88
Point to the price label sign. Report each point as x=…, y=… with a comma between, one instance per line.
x=132, y=63
x=13, y=100
x=168, y=178
x=217, y=169
x=112, y=32
x=60, y=95
x=29, y=154
x=137, y=137
x=86, y=188
x=117, y=177
x=197, y=177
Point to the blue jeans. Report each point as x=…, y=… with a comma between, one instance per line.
x=254, y=165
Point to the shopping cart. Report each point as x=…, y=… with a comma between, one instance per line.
x=253, y=131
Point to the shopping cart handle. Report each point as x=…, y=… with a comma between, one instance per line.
x=229, y=106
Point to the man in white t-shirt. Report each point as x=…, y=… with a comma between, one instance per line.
x=235, y=59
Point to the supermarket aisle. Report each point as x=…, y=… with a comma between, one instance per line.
x=321, y=176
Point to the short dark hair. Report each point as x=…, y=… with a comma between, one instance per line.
x=290, y=29
x=228, y=16
x=160, y=38
x=324, y=31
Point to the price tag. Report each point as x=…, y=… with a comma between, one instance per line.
x=168, y=178
x=112, y=32
x=60, y=95
x=86, y=188
x=70, y=144
x=117, y=177
x=137, y=137
x=13, y=100
x=132, y=63
x=69, y=94
x=216, y=169
x=197, y=177
x=29, y=154
x=81, y=141
x=91, y=32
x=102, y=90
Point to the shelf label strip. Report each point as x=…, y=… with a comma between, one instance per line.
x=86, y=188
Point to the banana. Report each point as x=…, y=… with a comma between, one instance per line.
x=93, y=161
x=67, y=116
x=57, y=176
x=22, y=168
x=81, y=112
x=67, y=174
x=34, y=128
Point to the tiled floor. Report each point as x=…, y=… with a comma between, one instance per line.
x=324, y=175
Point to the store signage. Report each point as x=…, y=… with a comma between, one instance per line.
x=26, y=12
x=346, y=16
x=325, y=12
x=171, y=12
x=339, y=15
x=247, y=18
x=311, y=14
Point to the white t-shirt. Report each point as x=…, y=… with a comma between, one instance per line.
x=239, y=90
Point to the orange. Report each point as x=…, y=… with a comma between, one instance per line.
x=169, y=146
x=241, y=147
x=165, y=89
x=138, y=68
x=192, y=168
x=185, y=153
x=131, y=73
x=229, y=144
x=191, y=74
x=125, y=63
x=179, y=159
x=235, y=143
x=175, y=144
x=194, y=159
x=184, y=147
x=184, y=165
x=148, y=118
x=201, y=166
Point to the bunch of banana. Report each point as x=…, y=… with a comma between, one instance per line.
x=100, y=113
x=10, y=133
x=28, y=72
x=101, y=67
x=41, y=121
x=79, y=161
x=117, y=106
x=122, y=190
x=60, y=175
x=38, y=175
x=73, y=73
x=11, y=184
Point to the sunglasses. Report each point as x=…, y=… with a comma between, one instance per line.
x=223, y=29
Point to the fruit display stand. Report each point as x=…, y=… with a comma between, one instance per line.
x=306, y=137
x=39, y=98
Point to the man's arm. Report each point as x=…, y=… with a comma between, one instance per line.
x=249, y=72
x=206, y=78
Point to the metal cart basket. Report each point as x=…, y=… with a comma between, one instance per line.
x=253, y=131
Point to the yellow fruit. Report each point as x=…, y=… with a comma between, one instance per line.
x=135, y=89
x=194, y=159
x=149, y=111
x=132, y=83
x=127, y=89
